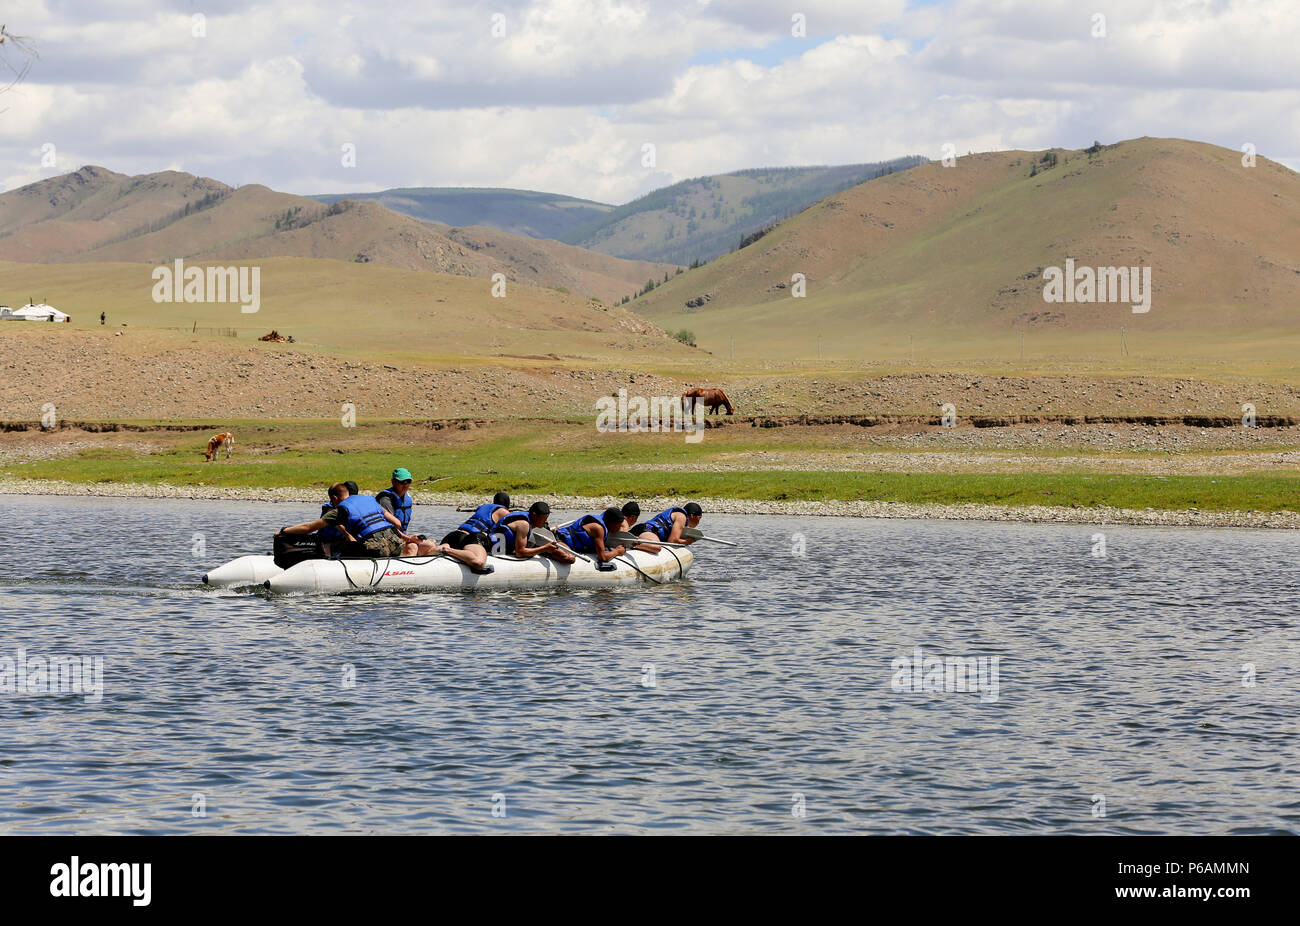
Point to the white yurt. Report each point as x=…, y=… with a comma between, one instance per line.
x=41, y=313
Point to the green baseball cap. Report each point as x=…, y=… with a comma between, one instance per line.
x=401, y=473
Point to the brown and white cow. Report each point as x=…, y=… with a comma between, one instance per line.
x=224, y=439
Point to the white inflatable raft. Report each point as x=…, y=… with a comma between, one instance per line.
x=247, y=570
x=327, y=576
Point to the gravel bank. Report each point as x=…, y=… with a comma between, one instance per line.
x=1287, y=520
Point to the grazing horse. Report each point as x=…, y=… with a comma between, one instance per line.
x=224, y=439
x=710, y=398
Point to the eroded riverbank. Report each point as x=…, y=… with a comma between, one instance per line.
x=1284, y=520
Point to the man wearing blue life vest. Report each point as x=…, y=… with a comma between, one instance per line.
x=373, y=531
x=587, y=534
x=667, y=526
x=333, y=538
x=470, y=542
x=510, y=535
x=397, y=502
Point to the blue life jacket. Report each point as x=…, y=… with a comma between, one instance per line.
x=480, y=522
x=363, y=516
x=328, y=533
x=401, y=506
x=662, y=523
x=577, y=537
x=503, y=537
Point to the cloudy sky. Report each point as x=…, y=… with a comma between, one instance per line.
x=566, y=95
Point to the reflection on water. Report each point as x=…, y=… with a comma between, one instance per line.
x=756, y=696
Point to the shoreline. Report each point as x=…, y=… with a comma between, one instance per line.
x=1030, y=514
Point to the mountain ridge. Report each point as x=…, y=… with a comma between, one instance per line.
x=97, y=215
x=676, y=224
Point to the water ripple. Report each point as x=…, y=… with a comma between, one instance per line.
x=1157, y=685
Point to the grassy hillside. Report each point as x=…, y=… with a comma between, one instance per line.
x=358, y=310
x=97, y=215
x=521, y=212
x=708, y=216
x=699, y=218
x=948, y=262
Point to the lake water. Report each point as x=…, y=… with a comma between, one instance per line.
x=759, y=696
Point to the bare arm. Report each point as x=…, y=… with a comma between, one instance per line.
x=598, y=540
x=523, y=550
x=397, y=524
x=307, y=528
x=675, y=535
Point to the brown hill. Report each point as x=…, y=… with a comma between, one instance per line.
x=98, y=215
x=958, y=253
x=64, y=217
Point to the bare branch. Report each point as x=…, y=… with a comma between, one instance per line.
x=17, y=53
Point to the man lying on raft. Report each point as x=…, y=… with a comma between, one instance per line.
x=470, y=542
x=587, y=534
x=372, y=530
x=667, y=526
x=510, y=535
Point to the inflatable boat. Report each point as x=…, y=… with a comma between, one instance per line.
x=244, y=571
x=332, y=576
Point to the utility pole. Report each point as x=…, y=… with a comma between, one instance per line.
x=1123, y=342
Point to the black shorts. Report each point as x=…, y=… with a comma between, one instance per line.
x=459, y=539
x=637, y=529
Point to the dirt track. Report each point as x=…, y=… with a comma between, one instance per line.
x=101, y=375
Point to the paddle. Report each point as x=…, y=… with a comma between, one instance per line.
x=694, y=534
x=545, y=536
x=632, y=540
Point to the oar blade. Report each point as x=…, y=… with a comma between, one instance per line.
x=632, y=540
x=696, y=534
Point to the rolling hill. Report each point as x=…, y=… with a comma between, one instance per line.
x=708, y=216
x=520, y=212
x=693, y=219
x=97, y=215
x=955, y=257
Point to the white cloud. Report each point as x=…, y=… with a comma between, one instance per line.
x=565, y=99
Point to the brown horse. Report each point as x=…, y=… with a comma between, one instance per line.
x=710, y=398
